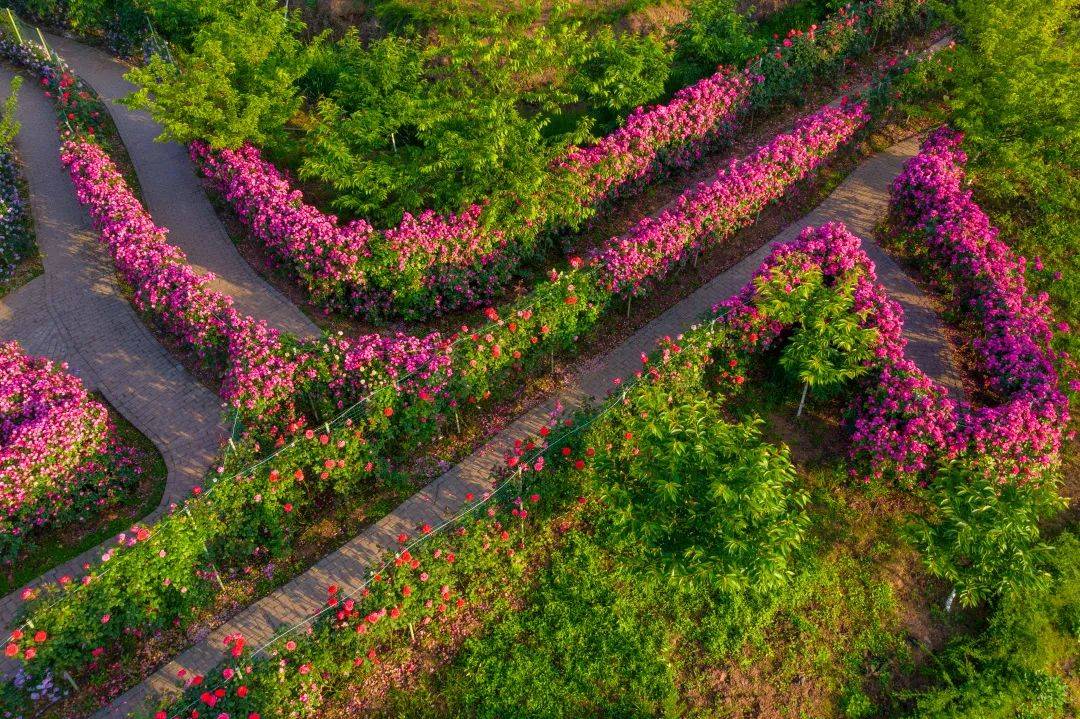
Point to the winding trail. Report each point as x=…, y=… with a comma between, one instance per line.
x=175, y=198
x=75, y=312
x=860, y=202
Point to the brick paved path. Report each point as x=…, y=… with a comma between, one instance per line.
x=175, y=197
x=860, y=202
x=75, y=312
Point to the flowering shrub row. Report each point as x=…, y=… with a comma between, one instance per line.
x=245, y=352
x=904, y=422
x=16, y=236
x=410, y=385
x=716, y=209
x=430, y=264
x=58, y=453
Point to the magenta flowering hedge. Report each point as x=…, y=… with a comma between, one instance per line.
x=327, y=257
x=716, y=209
x=664, y=136
x=58, y=453
x=245, y=352
x=941, y=223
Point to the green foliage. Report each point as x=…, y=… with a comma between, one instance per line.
x=828, y=346
x=714, y=34
x=445, y=125
x=624, y=71
x=238, y=83
x=982, y=534
x=9, y=124
x=704, y=497
x=1011, y=669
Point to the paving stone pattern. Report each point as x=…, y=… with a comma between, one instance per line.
x=860, y=202
x=75, y=312
x=175, y=197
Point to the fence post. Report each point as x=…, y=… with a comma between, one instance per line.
x=14, y=27
x=44, y=45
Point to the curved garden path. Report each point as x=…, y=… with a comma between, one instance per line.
x=175, y=198
x=860, y=202
x=75, y=312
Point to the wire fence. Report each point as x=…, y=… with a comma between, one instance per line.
x=467, y=511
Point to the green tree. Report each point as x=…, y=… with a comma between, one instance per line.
x=704, y=496
x=237, y=84
x=828, y=346
x=444, y=125
x=714, y=34
x=982, y=530
x=623, y=71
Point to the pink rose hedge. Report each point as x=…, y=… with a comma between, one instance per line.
x=665, y=136
x=245, y=352
x=740, y=191
x=431, y=264
x=325, y=255
x=905, y=422
x=59, y=456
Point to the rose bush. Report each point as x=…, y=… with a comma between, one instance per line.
x=59, y=456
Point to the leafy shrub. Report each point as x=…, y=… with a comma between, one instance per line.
x=237, y=83
x=983, y=533
x=705, y=498
x=623, y=71
x=714, y=34
x=1011, y=669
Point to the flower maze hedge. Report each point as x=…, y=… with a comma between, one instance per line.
x=288, y=464
x=430, y=264
x=59, y=457
x=554, y=480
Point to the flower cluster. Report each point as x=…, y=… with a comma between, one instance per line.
x=77, y=108
x=245, y=352
x=327, y=256
x=16, y=237
x=58, y=452
x=714, y=210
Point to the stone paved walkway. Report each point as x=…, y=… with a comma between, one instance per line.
x=860, y=202
x=75, y=312
x=175, y=197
